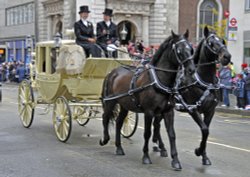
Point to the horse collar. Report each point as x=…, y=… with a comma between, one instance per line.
x=209, y=86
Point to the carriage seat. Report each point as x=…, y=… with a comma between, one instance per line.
x=71, y=59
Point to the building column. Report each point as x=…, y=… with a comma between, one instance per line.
x=23, y=50
x=145, y=30
x=14, y=50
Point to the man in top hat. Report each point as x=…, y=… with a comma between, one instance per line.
x=84, y=32
x=107, y=31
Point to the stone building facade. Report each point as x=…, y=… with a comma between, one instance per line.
x=54, y=16
x=189, y=14
x=17, y=20
x=239, y=44
x=147, y=20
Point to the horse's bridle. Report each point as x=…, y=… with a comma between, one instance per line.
x=176, y=53
x=208, y=45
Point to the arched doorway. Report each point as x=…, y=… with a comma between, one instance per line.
x=131, y=31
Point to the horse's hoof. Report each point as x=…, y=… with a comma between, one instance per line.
x=119, y=151
x=103, y=142
x=164, y=153
x=197, y=152
x=146, y=160
x=156, y=149
x=206, y=161
x=176, y=165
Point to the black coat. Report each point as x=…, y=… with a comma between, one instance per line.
x=103, y=38
x=83, y=32
x=247, y=80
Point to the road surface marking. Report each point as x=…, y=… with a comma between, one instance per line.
x=228, y=146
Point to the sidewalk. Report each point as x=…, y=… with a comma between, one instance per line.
x=231, y=109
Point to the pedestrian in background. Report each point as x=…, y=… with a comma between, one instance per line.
x=247, y=90
x=239, y=92
x=226, y=84
x=20, y=72
x=244, y=70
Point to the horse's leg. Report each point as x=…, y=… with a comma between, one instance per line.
x=147, y=133
x=207, y=119
x=169, y=124
x=157, y=137
x=108, y=108
x=205, y=132
x=119, y=122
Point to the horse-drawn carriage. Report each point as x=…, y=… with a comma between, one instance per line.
x=72, y=83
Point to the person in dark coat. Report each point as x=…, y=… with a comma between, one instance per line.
x=84, y=32
x=106, y=31
x=20, y=72
x=247, y=88
x=226, y=84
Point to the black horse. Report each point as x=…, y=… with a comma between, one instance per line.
x=147, y=90
x=200, y=94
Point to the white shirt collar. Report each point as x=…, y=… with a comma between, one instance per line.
x=85, y=22
x=108, y=23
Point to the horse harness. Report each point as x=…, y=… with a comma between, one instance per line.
x=208, y=87
x=154, y=82
x=199, y=82
x=153, y=76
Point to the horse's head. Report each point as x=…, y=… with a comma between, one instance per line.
x=183, y=52
x=216, y=46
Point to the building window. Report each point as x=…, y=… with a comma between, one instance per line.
x=247, y=5
x=208, y=15
x=19, y=15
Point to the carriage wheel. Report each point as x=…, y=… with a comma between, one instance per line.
x=83, y=114
x=129, y=125
x=26, y=103
x=62, y=119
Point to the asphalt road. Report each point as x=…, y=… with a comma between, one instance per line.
x=36, y=152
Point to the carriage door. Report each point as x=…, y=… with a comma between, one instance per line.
x=129, y=28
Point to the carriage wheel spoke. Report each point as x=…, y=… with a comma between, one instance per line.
x=65, y=128
x=21, y=97
x=22, y=91
x=22, y=108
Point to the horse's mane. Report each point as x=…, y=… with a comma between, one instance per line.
x=161, y=50
x=197, y=52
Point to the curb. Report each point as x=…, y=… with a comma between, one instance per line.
x=243, y=113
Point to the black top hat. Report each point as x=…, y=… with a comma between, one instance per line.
x=108, y=12
x=84, y=9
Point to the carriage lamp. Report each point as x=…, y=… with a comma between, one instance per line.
x=57, y=42
x=124, y=32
